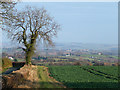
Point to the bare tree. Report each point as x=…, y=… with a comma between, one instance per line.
x=7, y=7
x=29, y=26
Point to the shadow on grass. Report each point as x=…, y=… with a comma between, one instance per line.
x=10, y=70
x=92, y=85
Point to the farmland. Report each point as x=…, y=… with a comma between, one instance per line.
x=86, y=76
x=108, y=70
x=74, y=69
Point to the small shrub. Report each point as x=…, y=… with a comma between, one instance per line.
x=15, y=60
x=6, y=63
x=77, y=63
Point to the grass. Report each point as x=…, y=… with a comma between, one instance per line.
x=20, y=60
x=59, y=59
x=5, y=69
x=6, y=64
x=77, y=77
x=0, y=72
x=73, y=57
x=89, y=59
x=112, y=70
x=44, y=80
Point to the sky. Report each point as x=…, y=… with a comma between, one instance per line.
x=70, y=0
x=82, y=22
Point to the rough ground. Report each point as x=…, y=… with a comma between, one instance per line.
x=0, y=81
x=30, y=77
x=0, y=77
x=26, y=77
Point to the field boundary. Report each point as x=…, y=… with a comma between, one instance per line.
x=99, y=73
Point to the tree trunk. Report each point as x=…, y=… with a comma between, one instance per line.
x=29, y=53
x=28, y=57
x=30, y=50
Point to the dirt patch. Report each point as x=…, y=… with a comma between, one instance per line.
x=29, y=77
x=26, y=77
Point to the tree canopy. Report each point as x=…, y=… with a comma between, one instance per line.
x=30, y=25
x=7, y=7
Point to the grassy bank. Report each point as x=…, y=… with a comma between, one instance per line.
x=45, y=80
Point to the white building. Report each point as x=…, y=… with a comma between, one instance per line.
x=67, y=55
x=99, y=53
x=11, y=58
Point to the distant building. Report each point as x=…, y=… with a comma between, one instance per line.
x=99, y=53
x=41, y=60
x=67, y=55
x=11, y=58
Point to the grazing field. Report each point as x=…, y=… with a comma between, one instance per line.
x=86, y=76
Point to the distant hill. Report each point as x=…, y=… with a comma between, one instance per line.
x=72, y=45
x=86, y=46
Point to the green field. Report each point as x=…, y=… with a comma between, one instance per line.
x=73, y=57
x=19, y=60
x=108, y=70
x=86, y=76
x=59, y=59
x=100, y=56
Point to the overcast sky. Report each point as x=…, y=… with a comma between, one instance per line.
x=85, y=22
